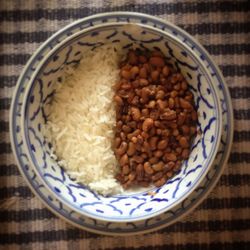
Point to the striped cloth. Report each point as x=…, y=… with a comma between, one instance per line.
x=222, y=221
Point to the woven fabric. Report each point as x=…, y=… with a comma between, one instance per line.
x=222, y=221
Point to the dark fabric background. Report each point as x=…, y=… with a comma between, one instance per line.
x=222, y=221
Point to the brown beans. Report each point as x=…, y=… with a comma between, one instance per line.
x=168, y=115
x=160, y=94
x=162, y=144
x=158, y=166
x=171, y=103
x=125, y=74
x=125, y=169
x=122, y=149
x=132, y=58
x=184, y=85
x=151, y=104
x=139, y=172
x=157, y=61
x=155, y=75
x=143, y=82
x=185, y=153
x=157, y=176
x=160, y=182
x=158, y=153
x=165, y=71
x=143, y=73
x=153, y=142
x=156, y=120
x=147, y=168
x=161, y=104
x=184, y=142
x=142, y=59
x=185, y=129
x=136, y=113
x=137, y=159
x=126, y=129
x=118, y=100
x=131, y=149
x=185, y=104
x=170, y=157
x=117, y=142
x=147, y=124
x=134, y=71
x=124, y=160
x=181, y=118
x=153, y=160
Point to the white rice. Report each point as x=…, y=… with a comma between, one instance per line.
x=82, y=118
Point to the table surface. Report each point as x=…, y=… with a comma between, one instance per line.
x=222, y=221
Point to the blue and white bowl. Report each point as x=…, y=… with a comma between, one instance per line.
x=120, y=29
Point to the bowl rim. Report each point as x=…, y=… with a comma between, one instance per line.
x=45, y=44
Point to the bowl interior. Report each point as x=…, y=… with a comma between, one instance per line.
x=139, y=204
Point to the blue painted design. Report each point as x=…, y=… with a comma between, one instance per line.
x=53, y=177
x=171, y=52
x=212, y=139
x=20, y=143
x=90, y=204
x=32, y=99
x=32, y=147
x=50, y=198
x=99, y=211
x=184, y=53
x=211, y=121
x=136, y=208
x=116, y=41
x=70, y=192
x=17, y=129
x=115, y=209
x=57, y=190
x=195, y=158
x=189, y=75
x=49, y=97
x=59, y=67
x=95, y=33
x=55, y=58
x=127, y=46
x=112, y=34
x=131, y=224
x=201, y=95
x=159, y=200
x=193, y=170
x=97, y=44
x=142, y=41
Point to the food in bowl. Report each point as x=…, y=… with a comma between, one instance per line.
x=129, y=120
x=81, y=120
x=156, y=119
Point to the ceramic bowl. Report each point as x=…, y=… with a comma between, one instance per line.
x=67, y=50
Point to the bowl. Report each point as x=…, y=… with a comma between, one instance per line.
x=73, y=42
